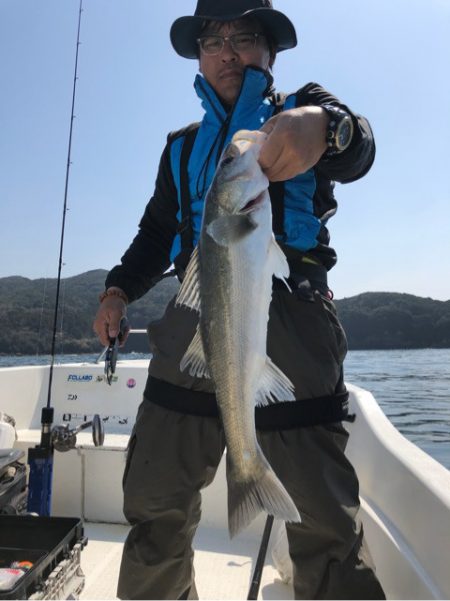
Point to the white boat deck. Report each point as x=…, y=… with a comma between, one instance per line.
x=223, y=568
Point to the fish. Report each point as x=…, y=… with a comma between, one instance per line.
x=228, y=281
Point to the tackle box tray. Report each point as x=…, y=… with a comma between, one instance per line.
x=44, y=541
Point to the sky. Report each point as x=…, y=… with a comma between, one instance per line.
x=386, y=59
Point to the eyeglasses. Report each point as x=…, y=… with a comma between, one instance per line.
x=240, y=42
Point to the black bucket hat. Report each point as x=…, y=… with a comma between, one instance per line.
x=186, y=30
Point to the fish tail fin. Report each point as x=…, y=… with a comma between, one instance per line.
x=246, y=499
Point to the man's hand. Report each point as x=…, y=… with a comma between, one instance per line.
x=295, y=142
x=107, y=321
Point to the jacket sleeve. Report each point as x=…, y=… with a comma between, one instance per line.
x=148, y=256
x=357, y=159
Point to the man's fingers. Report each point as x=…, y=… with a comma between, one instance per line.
x=107, y=331
x=279, y=169
x=274, y=176
x=281, y=173
x=107, y=321
x=266, y=157
x=115, y=319
x=101, y=329
x=295, y=142
x=270, y=155
x=268, y=126
x=113, y=330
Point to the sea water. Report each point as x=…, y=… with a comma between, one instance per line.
x=413, y=389
x=411, y=386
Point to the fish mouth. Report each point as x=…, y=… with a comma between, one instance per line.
x=253, y=204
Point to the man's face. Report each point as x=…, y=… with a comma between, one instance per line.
x=224, y=71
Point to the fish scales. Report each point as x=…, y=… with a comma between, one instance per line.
x=229, y=343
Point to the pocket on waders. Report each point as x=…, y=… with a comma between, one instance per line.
x=337, y=331
x=306, y=340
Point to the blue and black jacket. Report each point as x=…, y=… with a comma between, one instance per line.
x=301, y=206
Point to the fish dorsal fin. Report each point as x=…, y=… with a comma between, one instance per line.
x=274, y=386
x=189, y=292
x=194, y=358
x=230, y=228
x=278, y=262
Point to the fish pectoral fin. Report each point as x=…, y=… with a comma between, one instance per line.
x=194, y=358
x=278, y=262
x=189, y=292
x=274, y=386
x=230, y=228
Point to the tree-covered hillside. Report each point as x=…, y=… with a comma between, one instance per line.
x=27, y=312
x=382, y=320
x=373, y=320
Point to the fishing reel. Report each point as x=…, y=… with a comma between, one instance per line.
x=64, y=439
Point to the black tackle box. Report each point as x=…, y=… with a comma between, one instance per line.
x=13, y=482
x=46, y=542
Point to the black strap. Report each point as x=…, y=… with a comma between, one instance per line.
x=276, y=192
x=278, y=416
x=276, y=189
x=185, y=228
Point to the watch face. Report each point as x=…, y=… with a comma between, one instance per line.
x=344, y=133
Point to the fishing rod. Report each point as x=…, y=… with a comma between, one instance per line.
x=257, y=573
x=40, y=458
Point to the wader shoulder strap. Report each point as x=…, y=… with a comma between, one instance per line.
x=185, y=229
x=276, y=189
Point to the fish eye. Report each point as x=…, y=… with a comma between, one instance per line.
x=227, y=160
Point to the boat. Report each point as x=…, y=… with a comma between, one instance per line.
x=405, y=494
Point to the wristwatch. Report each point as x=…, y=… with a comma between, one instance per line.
x=339, y=130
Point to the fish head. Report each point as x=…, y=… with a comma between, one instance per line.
x=239, y=184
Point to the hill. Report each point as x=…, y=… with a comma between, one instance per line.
x=383, y=320
x=373, y=320
x=27, y=313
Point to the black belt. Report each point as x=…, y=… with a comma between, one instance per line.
x=278, y=416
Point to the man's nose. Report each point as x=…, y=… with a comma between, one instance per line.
x=228, y=54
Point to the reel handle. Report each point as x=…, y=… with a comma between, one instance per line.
x=65, y=439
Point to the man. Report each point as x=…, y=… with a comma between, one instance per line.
x=177, y=443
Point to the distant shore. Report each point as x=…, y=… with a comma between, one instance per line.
x=372, y=320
